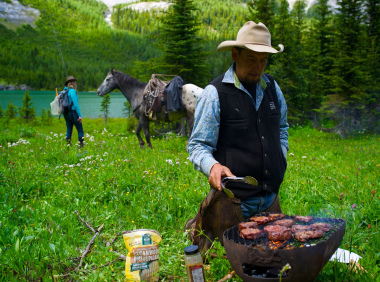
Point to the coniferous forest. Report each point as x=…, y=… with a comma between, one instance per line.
x=328, y=71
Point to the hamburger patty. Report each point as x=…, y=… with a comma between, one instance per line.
x=321, y=226
x=284, y=222
x=300, y=228
x=271, y=228
x=259, y=219
x=251, y=233
x=303, y=218
x=303, y=236
x=244, y=225
x=282, y=235
x=275, y=216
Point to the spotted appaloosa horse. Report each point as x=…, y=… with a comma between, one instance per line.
x=133, y=90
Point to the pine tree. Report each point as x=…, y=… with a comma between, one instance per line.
x=105, y=106
x=180, y=43
x=318, y=59
x=27, y=110
x=127, y=109
x=11, y=111
x=349, y=74
x=43, y=116
x=297, y=65
x=281, y=69
x=372, y=21
x=49, y=116
x=262, y=11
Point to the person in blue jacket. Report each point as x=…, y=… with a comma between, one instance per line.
x=74, y=117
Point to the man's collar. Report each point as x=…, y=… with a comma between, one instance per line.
x=231, y=77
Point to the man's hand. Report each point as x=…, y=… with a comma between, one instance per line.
x=217, y=172
x=79, y=120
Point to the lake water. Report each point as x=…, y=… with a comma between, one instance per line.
x=89, y=102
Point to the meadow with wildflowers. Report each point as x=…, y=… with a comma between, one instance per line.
x=111, y=180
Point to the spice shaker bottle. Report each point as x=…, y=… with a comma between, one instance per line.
x=194, y=264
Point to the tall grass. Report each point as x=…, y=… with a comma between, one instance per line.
x=113, y=181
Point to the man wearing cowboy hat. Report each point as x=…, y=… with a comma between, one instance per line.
x=74, y=117
x=240, y=129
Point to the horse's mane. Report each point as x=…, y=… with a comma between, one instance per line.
x=126, y=80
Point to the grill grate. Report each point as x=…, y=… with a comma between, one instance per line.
x=264, y=243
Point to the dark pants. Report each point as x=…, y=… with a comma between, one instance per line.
x=71, y=119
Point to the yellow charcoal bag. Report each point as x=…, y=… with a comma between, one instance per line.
x=142, y=259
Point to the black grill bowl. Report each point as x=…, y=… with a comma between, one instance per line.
x=305, y=262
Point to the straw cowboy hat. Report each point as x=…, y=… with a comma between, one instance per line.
x=252, y=36
x=69, y=79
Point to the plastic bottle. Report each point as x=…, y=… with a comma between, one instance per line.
x=194, y=264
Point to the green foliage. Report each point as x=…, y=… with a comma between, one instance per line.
x=46, y=117
x=350, y=73
x=180, y=43
x=219, y=265
x=27, y=110
x=31, y=56
x=127, y=109
x=325, y=53
x=262, y=11
x=1, y=112
x=105, y=106
x=112, y=181
x=43, y=116
x=11, y=111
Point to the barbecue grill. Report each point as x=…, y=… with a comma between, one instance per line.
x=261, y=259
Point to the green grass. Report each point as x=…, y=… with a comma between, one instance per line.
x=113, y=181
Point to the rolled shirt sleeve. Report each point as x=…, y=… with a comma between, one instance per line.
x=203, y=140
x=284, y=126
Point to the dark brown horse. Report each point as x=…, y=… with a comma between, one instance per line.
x=133, y=90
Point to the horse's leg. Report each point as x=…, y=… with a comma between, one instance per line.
x=138, y=130
x=190, y=124
x=145, y=126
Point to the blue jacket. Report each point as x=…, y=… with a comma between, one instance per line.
x=73, y=98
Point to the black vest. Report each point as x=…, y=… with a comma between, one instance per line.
x=249, y=140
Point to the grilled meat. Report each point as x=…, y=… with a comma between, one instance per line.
x=303, y=236
x=272, y=228
x=245, y=225
x=251, y=234
x=284, y=222
x=301, y=228
x=303, y=218
x=259, y=219
x=275, y=216
x=278, y=232
x=282, y=235
x=321, y=226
